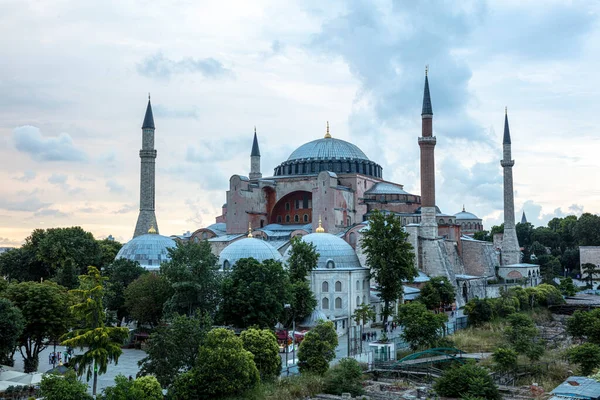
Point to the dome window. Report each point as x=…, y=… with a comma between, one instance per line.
x=279, y=219
x=325, y=303
x=305, y=217
x=325, y=287
x=338, y=302
x=287, y=206
x=226, y=265
x=338, y=286
x=330, y=264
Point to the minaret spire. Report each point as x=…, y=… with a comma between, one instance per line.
x=427, y=145
x=511, y=253
x=146, y=221
x=427, y=110
x=255, y=159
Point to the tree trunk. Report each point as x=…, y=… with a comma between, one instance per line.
x=95, y=382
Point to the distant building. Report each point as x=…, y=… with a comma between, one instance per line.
x=589, y=255
x=469, y=222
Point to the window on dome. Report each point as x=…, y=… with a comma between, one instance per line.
x=296, y=218
x=204, y=235
x=305, y=217
x=325, y=287
x=338, y=302
x=279, y=219
x=348, y=221
x=297, y=204
x=287, y=218
x=196, y=240
x=330, y=264
x=325, y=303
x=287, y=206
x=338, y=286
x=441, y=221
x=226, y=265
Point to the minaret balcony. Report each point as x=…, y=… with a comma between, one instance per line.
x=507, y=163
x=147, y=153
x=427, y=140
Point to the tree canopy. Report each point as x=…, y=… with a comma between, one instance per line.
x=421, y=327
x=318, y=348
x=301, y=261
x=12, y=325
x=262, y=343
x=467, y=380
x=145, y=298
x=437, y=292
x=143, y=388
x=63, y=387
x=120, y=273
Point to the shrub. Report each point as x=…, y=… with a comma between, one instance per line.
x=67, y=387
x=587, y=356
x=318, y=348
x=467, y=380
x=345, y=377
x=505, y=359
x=479, y=311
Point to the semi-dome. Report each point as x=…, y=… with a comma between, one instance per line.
x=333, y=251
x=328, y=154
x=150, y=250
x=258, y=249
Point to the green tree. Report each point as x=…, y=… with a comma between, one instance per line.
x=303, y=300
x=585, y=325
x=120, y=274
x=567, y=287
x=570, y=259
x=12, y=325
x=479, y=311
x=301, y=261
x=496, y=229
x=587, y=230
x=254, y=293
x=146, y=297
x=223, y=369
x=345, y=377
x=390, y=257
x=421, y=328
x=505, y=359
x=482, y=235
x=22, y=265
x=102, y=344
x=263, y=345
x=362, y=315
x=318, y=348
x=45, y=308
x=437, y=292
x=587, y=355
x=546, y=237
x=67, y=387
x=467, y=380
x=143, y=388
x=521, y=332
x=524, y=234
x=108, y=251
x=173, y=347
x=194, y=276
x=589, y=270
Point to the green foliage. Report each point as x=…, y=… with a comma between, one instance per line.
x=585, y=325
x=263, y=346
x=389, y=255
x=587, y=230
x=479, y=311
x=589, y=270
x=301, y=261
x=194, y=276
x=120, y=274
x=173, y=347
x=223, y=369
x=143, y=388
x=108, y=251
x=363, y=314
x=254, y=293
x=521, y=332
x=505, y=359
x=587, y=355
x=496, y=229
x=482, y=235
x=545, y=295
x=22, y=265
x=303, y=300
x=12, y=325
x=45, y=308
x=100, y=344
x=524, y=233
x=145, y=298
x=567, y=287
x=438, y=291
x=345, y=377
x=467, y=380
x=318, y=348
x=67, y=387
x=421, y=327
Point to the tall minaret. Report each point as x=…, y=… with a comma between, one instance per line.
x=511, y=253
x=427, y=141
x=147, y=218
x=255, y=160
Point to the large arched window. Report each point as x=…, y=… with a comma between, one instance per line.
x=325, y=287
x=204, y=235
x=441, y=221
x=338, y=302
x=287, y=218
x=287, y=206
x=364, y=299
x=357, y=285
x=279, y=219
x=365, y=284
x=296, y=218
x=352, y=239
x=338, y=286
x=325, y=303
x=358, y=300
x=305, y=217
x=226, y=265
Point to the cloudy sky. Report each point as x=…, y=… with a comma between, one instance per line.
x=75, y=77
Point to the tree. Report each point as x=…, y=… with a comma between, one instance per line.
x=223, y=369
x=143, y=388
x=263, y=346
x=363, y=314
x=438, y=292
x=301, y=261
x=570, y=259
x=505, y=359
x=12, y=325
x=482, y=235
x=587, y=230
x=479, y=311
x=524, y=234
x=318, y=348
x=303, y=300
x=585, y=325
x=254, y=293
x=345, y=377
x=496, y=229
x=108, y=251
x=521, y=332
x=390, y=257
x=120, y=274
x=67, y=387
x=45, y=308
x=146, y=297
x=567, y=287
x=421, y=327
x=546, y=237
x=587, y=355
x=194, y=276
x=173, y=347
x=22, y=265
x=467, y=380
x=102, y=344
x=589, y=270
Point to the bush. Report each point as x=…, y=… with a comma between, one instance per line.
x=479, y=311
x=505, y=359
x=345, y=377
x=67, y=387
x=143, y=388
x=263, y=346
x=587, y=356
x=467, y=380
x=317, y=349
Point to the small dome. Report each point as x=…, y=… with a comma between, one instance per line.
x=150, y=250
x=258, y=249
x=328, y=149
x=465, y=215
x=313, y=319
x=333, y=251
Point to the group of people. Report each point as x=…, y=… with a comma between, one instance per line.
x=369, y=336
x=56, y=357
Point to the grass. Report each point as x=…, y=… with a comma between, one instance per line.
x=484, y=338
x=289, y=388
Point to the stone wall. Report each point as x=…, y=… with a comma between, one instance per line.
x=479, y=258
x=589, y=254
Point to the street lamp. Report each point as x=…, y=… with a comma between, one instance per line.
x=288, y=307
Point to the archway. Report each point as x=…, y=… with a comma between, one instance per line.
x=293, y=208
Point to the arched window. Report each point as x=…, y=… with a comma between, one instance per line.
x=196, y=240
x=441, y=221
x=325, y=287
x=305, y=217
x=365, y=284
x=325, y=303
x=348, y=221
x=358, y=300
x=287, y=206
x=287, y=218
x=338, y=302
x=204, y=235
x=296, y=218
x=330, y=264
x=226, y=265
x=352, y=238
x=357, y=285
x=364, y=299
x=338, y=286
x=279, y=219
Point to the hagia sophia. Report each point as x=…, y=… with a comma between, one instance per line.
x=324, y=192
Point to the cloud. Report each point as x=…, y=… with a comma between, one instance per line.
x=163, y=112
x=160, y=67
x=6, y=242
x=28, y=175
x=126, y=209
x=50, y=212
x=115, y=187
x=108, y=157
x=58, y=179
x=32, y=203
x=537, y=217
x=195, y=206
x=29, y=139
x=218, y=150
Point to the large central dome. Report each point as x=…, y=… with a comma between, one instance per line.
x=328, y=154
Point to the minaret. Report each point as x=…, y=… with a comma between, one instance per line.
x=523, y=218
x=255, y=160
x=147, y=219
x=511, y=253
x=427, y=141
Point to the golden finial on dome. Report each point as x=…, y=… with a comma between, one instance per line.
x=250, y=230
x=327, y=135
x=463, y=208
x=152, y=230
x=320, y=227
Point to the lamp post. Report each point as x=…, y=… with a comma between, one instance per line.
x=287, y=336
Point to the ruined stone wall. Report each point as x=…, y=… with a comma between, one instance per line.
x=479, y=258
x=452, y=250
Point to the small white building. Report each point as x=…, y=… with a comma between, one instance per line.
x=516, y=272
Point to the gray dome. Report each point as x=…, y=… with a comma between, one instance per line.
x=150, y=250
x=258, y=249
x=328, y=149
x=313, y=319
x=465, y=215
x=333, y=251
